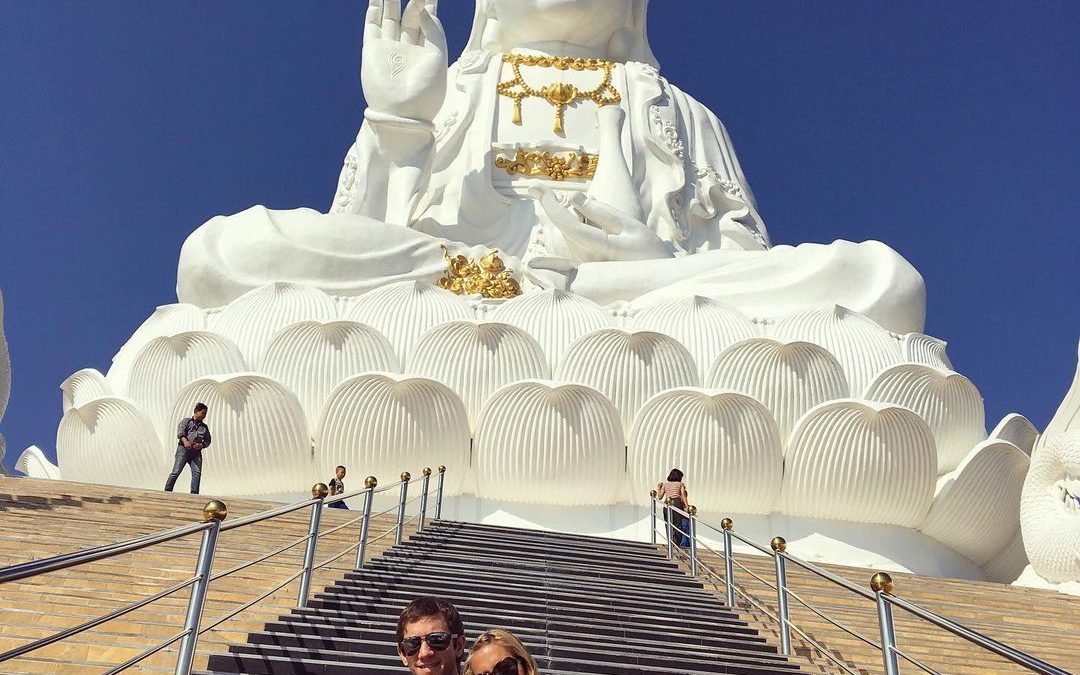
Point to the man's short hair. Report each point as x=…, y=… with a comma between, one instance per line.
x=339, y=467
x=423, y=607
x=200, y=406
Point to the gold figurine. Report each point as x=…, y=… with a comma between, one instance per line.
x=487, y=277
x=558, y=94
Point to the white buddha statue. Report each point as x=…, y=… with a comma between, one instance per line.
x=554, y=140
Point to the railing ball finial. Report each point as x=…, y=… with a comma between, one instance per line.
x=668, y=501
x=370, y=482
x=319, y=491
x=214, y=510
x=652, y=493
x=881, y=582
x=692, y=510
x=427, y=471
x=727, y=524
x=442, y=468
x=406, y=476
x=778, y=544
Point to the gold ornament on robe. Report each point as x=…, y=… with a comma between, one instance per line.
x=487, y=276
x=558, y=94
x=536, y=163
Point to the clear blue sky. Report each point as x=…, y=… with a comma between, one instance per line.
x=949, y=130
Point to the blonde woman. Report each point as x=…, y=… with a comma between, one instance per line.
x=498, y=652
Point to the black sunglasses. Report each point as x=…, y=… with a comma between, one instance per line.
x=508, y=666
x=438, y=641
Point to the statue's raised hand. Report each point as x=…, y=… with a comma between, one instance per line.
x=609, y=233
x=404, y=61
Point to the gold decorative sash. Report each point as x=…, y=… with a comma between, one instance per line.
x=537, y=163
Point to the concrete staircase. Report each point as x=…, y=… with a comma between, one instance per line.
x=39, y=519
x=580, y=604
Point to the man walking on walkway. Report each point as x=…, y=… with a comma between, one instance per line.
x=192, y=437
x=431, y=637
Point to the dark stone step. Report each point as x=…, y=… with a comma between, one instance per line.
x=525, y=534
x=553, y=648
x=516, y=621
x=372, y=628
x=411, y=587
x=354, y=663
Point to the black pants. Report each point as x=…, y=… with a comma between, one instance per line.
x=677, y=521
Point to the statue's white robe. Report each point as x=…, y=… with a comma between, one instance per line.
x=405, y=190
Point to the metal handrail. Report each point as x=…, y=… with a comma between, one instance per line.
x=214, y=514
x=880, y=593
x=66, y=560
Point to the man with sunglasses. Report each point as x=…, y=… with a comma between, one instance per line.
x=431, y=637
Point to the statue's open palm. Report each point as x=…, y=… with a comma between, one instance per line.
x=404, y=60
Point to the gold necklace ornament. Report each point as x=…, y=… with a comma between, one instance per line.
x=558, y=94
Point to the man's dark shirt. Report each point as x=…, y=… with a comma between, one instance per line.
x=195, y=432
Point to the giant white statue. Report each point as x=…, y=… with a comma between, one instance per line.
x=555, y=140
x=544, y=268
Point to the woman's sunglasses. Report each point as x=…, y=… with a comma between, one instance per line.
x=508, y=666
x=438, y=641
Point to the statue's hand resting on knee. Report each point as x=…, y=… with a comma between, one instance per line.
x=404, y=59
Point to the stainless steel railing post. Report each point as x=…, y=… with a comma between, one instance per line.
x=405, y=477
x=423, y=499
x=439, y=492
x=882, y=585
x=214, y=512
x=318, y=491
x=668, y=517
x=729, y=568
x=779, y=545
x=691, y=531
x=365, y=522
x=652, y=517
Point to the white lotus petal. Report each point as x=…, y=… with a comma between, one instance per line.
x=5, y=364
x=788, y=378
x=1018, y=430
x=860, y=461
x=83, y=386
x=381, y=424
x=1008, y=564
x=34, y=464
x=405, y=311
x=1067, y=417
x=861, y=346
x=254, y=318
x=727, y=444
x=1049, y=510
x=628, y=368
x=166, y=364
x=311, y=358
x=165, y=321
x=948, y=401
x=549, y=443
x=704, y=326
x=110, y=441
x=930, y=351
x=477, y=359
x=554, y=318
x=977, y=510
x=260, y=443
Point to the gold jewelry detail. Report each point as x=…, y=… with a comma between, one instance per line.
x=542, y=163
x=558, y=94
x=487, y=276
